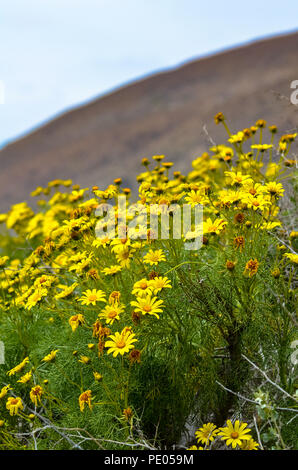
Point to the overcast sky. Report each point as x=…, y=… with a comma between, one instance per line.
x=56, y=54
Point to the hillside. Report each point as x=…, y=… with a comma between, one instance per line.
x=164, y=113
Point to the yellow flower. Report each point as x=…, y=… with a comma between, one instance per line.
x=206, y=433
x=51, y=356
x=230, y=265
x=112, y=270
x=213, y=227
x=262, y=147
x=158, y=158
x=154, y=257
x=120, y=244
x=19, y=367
x=101, y=242
x=4, y=391
x=219, y=117
x=159, y=283
x=111, y=312
x=275, y=189
x=76, y=320
x=234, y=434
x=237, y=138
x=195, y=197
x=14, y=405
x=36, y=297
x=292, y=257
x=121, y=343
x=114, y=297
x=127, y=414
x=196, y=448
x=97, y=376
x=251, y=267
x=141, y=288
x=84, y=359
x=92, y=296
x=148, y=305
x=25, y=378
x=249, y=445
x=3, y=260
x=124, y=256
x=239, y=242
x=256, y=203
x=35, y=394
x=85, y=398
x=237, y=177
x=66, y=291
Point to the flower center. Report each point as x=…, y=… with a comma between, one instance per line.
x=143, y=285
x=112, y=314
x=147, y=308
x=120, y=344
x=92, y=297
x=234, y=435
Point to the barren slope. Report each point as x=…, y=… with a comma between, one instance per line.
x=164, y=113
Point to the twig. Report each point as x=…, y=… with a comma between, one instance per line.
x=253, y=401
x=258, y=433
x=268, y=379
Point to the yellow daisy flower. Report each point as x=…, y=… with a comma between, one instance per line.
x=66, y=291
x=148, y=305
x=121, y=343
x=292, y=257
x=112, y=270
x=154, y=257
x=19, y=367
x=25, y=378
x=14, y=405
x=195, y=197
x=159, y=283
x=51, y=356
x=76, y=320
x=90, y=297
x=85, y=399
x=111, y=312
x=142, y=287
x=213, y=227
x=206, y=433
x=4, y=390
x=234, y=434
x=249, y=445
x=35, y=394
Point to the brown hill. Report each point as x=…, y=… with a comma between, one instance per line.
x=164, y=113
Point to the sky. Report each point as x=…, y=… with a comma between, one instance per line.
x=57, y=54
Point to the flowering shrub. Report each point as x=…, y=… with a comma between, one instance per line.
x=127, y=342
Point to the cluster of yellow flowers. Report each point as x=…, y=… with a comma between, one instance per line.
x=235, y=435
x=109, y=286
